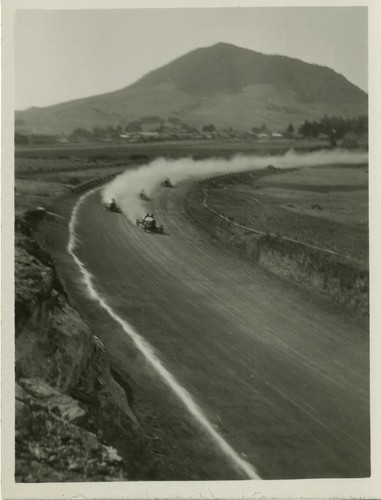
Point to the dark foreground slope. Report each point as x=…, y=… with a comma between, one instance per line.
x=69, y=407
x=223, y=84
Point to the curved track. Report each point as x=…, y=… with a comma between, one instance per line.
x=284, y=381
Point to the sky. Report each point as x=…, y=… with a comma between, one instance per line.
x=62, y=55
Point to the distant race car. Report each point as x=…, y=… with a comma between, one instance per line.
x=149, y=224
x=112, y=206
x=167, y=183
x=143, y=195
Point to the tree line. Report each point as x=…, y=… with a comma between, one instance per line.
x=335, y=127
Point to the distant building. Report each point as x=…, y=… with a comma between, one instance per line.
x=323, y=136
x=43, y=139
x=149, y=133
x=153, y=126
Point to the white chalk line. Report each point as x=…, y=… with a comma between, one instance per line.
x=148, y=352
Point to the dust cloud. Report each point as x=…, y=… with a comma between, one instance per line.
x=125, y=188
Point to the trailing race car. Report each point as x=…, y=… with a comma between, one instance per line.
x=112, y=205
x=149, y=224
x=167, y=183
x=143, y=195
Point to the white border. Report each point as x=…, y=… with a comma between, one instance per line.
x=293, y=489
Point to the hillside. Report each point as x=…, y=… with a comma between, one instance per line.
x=223, y=84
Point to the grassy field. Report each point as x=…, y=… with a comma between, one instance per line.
x=338, y=193
x=115, y=151
x=323, y=206
x=42, y=188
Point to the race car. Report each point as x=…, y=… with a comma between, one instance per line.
x=149, y=224
x=112, y=205
x=143, y=195
x=167, y=183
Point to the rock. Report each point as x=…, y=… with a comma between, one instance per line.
x=75, y=466
x=37, y=451
x=21, y=410
x=59, y=451
x=62, y=373
x=52, y=398
x=112, y=455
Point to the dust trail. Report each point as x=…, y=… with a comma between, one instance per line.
x=126, y=187
x=148, y=352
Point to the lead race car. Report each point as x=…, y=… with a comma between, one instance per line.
x=149, y=224
x=167, y=183
x=112, y=206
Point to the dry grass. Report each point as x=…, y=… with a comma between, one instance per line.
x=326, y=207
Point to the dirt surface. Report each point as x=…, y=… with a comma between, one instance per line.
x=283, y=378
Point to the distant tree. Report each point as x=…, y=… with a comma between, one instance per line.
x=361, y=126
x=309, y=129
x=290, y=129
x=134, y=126
x=98, y=133
x=264, y=128
x=336, y=127
x=79, y=133
x=21, y=139
x=306, y=129
x=315, y=129
x=186, y=127
x=332, y=140
x=209, y=128
x=150, y=119
x=173, y=120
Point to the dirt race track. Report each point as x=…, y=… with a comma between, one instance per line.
x=283, y=378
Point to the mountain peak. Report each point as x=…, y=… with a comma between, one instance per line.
x=224, y=45
x=228, y=46
x=204, y=71
x=227, y=68
x=222, y=84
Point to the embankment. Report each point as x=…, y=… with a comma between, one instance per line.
x=73, y=420
x=341, y=280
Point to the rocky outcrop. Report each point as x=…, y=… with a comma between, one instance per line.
x=51, y=444
x=67, y=399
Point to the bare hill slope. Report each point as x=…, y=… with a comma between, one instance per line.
x=223, y=84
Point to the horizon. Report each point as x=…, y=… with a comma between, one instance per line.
x=101, y=69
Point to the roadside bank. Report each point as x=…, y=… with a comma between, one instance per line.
x=66, y=397
x=338, y=278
